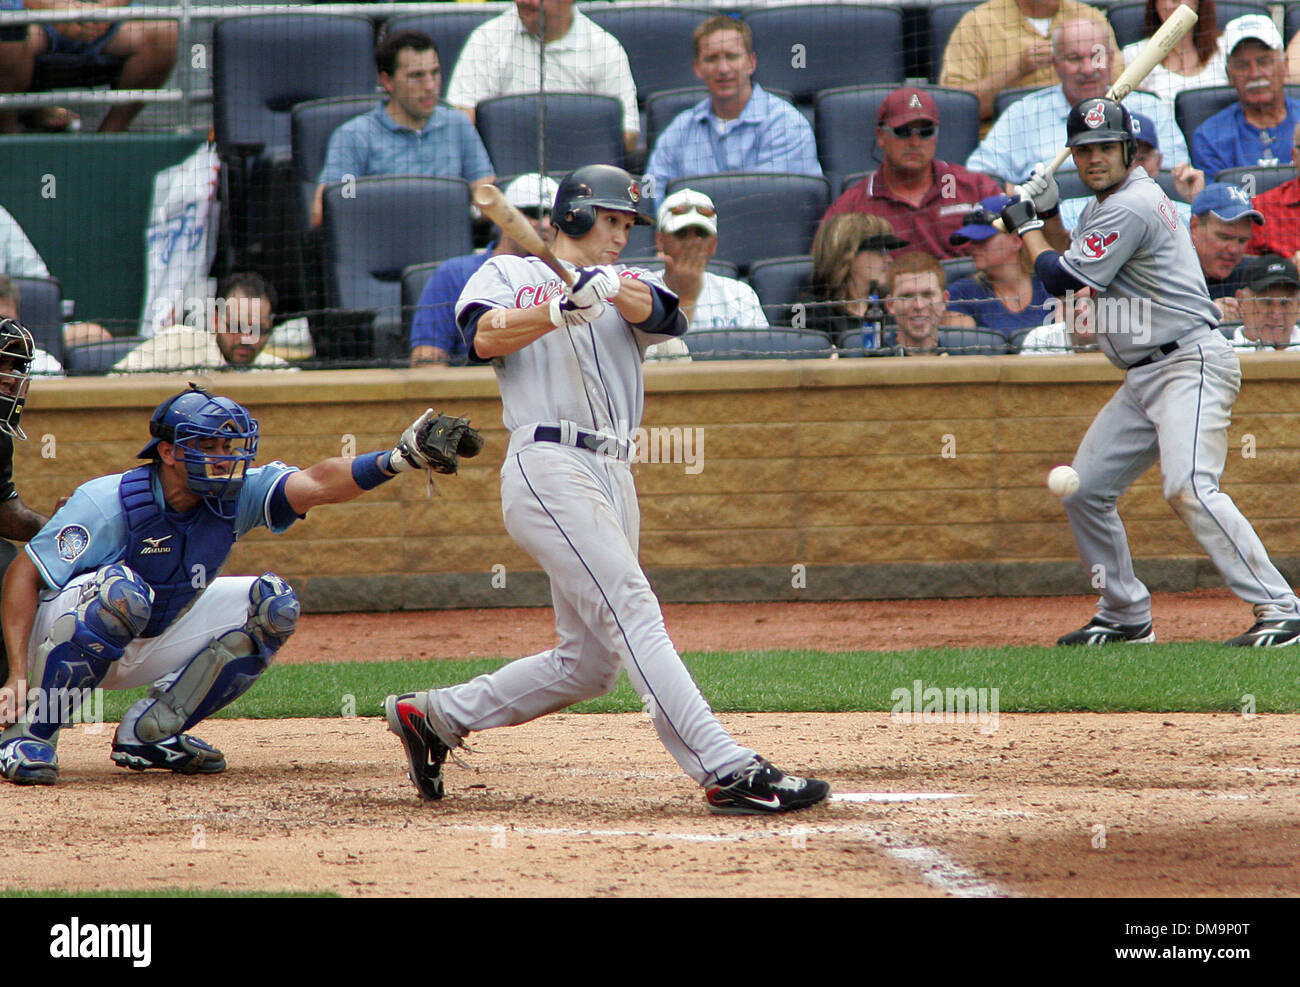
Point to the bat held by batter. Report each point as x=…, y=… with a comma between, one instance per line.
x=493, y=204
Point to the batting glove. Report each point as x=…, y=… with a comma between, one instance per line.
x=1019, y=217
x=594, y=284
x=567, y=312
x=1041, y=187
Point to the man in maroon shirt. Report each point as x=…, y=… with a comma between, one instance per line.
x=924, y=200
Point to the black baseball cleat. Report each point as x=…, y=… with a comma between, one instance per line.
x=1269, y=634
x=184, y=754
x=760, y=790
x=408, y=717
x=1098, y=631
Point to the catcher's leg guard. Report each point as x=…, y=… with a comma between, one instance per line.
x=221, y=672
x=81, y=647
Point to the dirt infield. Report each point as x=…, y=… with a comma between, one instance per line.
x=1075, y=805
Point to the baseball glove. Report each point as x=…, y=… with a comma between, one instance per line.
x=436, y=442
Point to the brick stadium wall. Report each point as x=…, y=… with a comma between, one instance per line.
x=844, y=479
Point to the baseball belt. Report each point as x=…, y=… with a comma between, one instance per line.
x=1159, y=354
x=605, y=444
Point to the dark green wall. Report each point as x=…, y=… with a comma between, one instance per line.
x=90, y=230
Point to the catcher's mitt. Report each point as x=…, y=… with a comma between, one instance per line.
x=436, y=442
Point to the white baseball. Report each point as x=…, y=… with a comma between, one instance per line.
x=1063, y=481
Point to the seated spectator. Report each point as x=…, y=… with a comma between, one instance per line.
x=1221, y=225
x=435, y=337
x=239, y=326
x=1270, y=303
x=738, y=126
x=1003, y=296
x=409, y=134
x=845, y=294
x=1074, y=335
x=43, y=365
x=1280, y=208
x=924, y=199
x=686, y=240
x=1033, y=128
x=1257, y=129
x=1197, y=61
x=500, y=58
x=148, y=50
x=1004, y=44
x=1188, y=181
x=916, y=301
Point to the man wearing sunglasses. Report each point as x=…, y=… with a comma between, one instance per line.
x=925, y=200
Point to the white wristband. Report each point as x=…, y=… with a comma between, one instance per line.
x=557, y=319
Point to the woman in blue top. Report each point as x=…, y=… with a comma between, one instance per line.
x=1004, y=296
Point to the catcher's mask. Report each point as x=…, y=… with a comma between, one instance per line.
x=17, y=348
x=215, y=438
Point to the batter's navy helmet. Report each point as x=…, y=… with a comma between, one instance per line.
x=215, y=474
x=600, y=185
x=1101, y=121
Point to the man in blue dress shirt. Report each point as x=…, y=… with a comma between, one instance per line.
x=410, y=134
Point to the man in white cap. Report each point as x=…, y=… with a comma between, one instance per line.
x=434, y=335
x=1257, y=129
x=686, y=238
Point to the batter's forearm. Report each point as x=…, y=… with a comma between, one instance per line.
x=634, y=301
x=502, y=331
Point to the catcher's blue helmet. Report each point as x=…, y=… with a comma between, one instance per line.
x=214, y=474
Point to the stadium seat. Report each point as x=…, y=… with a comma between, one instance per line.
x=846, y=127
x=778, y=282
x=1291, y=23
x=943, y=21
x=372, y=236
x=762, y=215
x=757, y=344
x=1126, y=18
x=662, y=107
x=449, y=29
x=1070, y=184
x=580, y=130
x=972, y=342
x=805, y=48
x=1192, y=107
x=40, y=309
x=89, y=359
x=657, y=40
x=1008, y=96
x=1257, y=180
x=956, y=268
x=311, y=126
x=414, y=278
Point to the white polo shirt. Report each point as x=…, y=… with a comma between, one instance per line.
x=500, y=59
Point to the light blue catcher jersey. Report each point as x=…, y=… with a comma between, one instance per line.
x=89, y=531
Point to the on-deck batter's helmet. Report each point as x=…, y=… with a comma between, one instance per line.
x=185, y=420
x=591, y=186
x=17, y=345
x=1101, y=121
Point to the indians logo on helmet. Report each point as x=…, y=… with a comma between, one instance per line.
x=634, y=192
x=1096, y=116
x=1096, y=243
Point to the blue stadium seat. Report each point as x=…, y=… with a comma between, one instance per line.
x=657, y=40
x=373, y=236
x=414, y=278
x=1256, y=180
x=580, y=130
x=778, y=282
x=956, y=268
x=310, y=128
x=1008, y=96
x=1126, y=19
x=762, y=215
x=757, y=344
x=805, y=48
x=972, y=342
x=846, y=127
x=1192, y=107
x=40, y=309
x=91, y=359
x=449, y=29
x=943, y=21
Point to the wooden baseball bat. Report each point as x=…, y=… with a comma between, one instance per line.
x=494, y=205
x=1152, y=54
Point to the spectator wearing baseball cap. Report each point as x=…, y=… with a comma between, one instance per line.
x=435, y=337
x=1189, y=181
x=739, y=126
x=925, y=200
x=1221, y=226
x=1280, y=207
x=1003, y=296
x=1270, y=304
x=1257, y=129
x=686, y=238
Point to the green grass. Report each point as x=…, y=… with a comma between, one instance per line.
x=1197, y=677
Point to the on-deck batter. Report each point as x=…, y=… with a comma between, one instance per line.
x=569, y=368
x=1155, y=320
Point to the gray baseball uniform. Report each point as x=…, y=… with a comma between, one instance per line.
x=1155, y=319
x=572, y=400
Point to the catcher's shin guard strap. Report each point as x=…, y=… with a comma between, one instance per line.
x=368, y=469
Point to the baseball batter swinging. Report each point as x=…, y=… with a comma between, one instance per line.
x=1155, y=321
x=569, y=368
